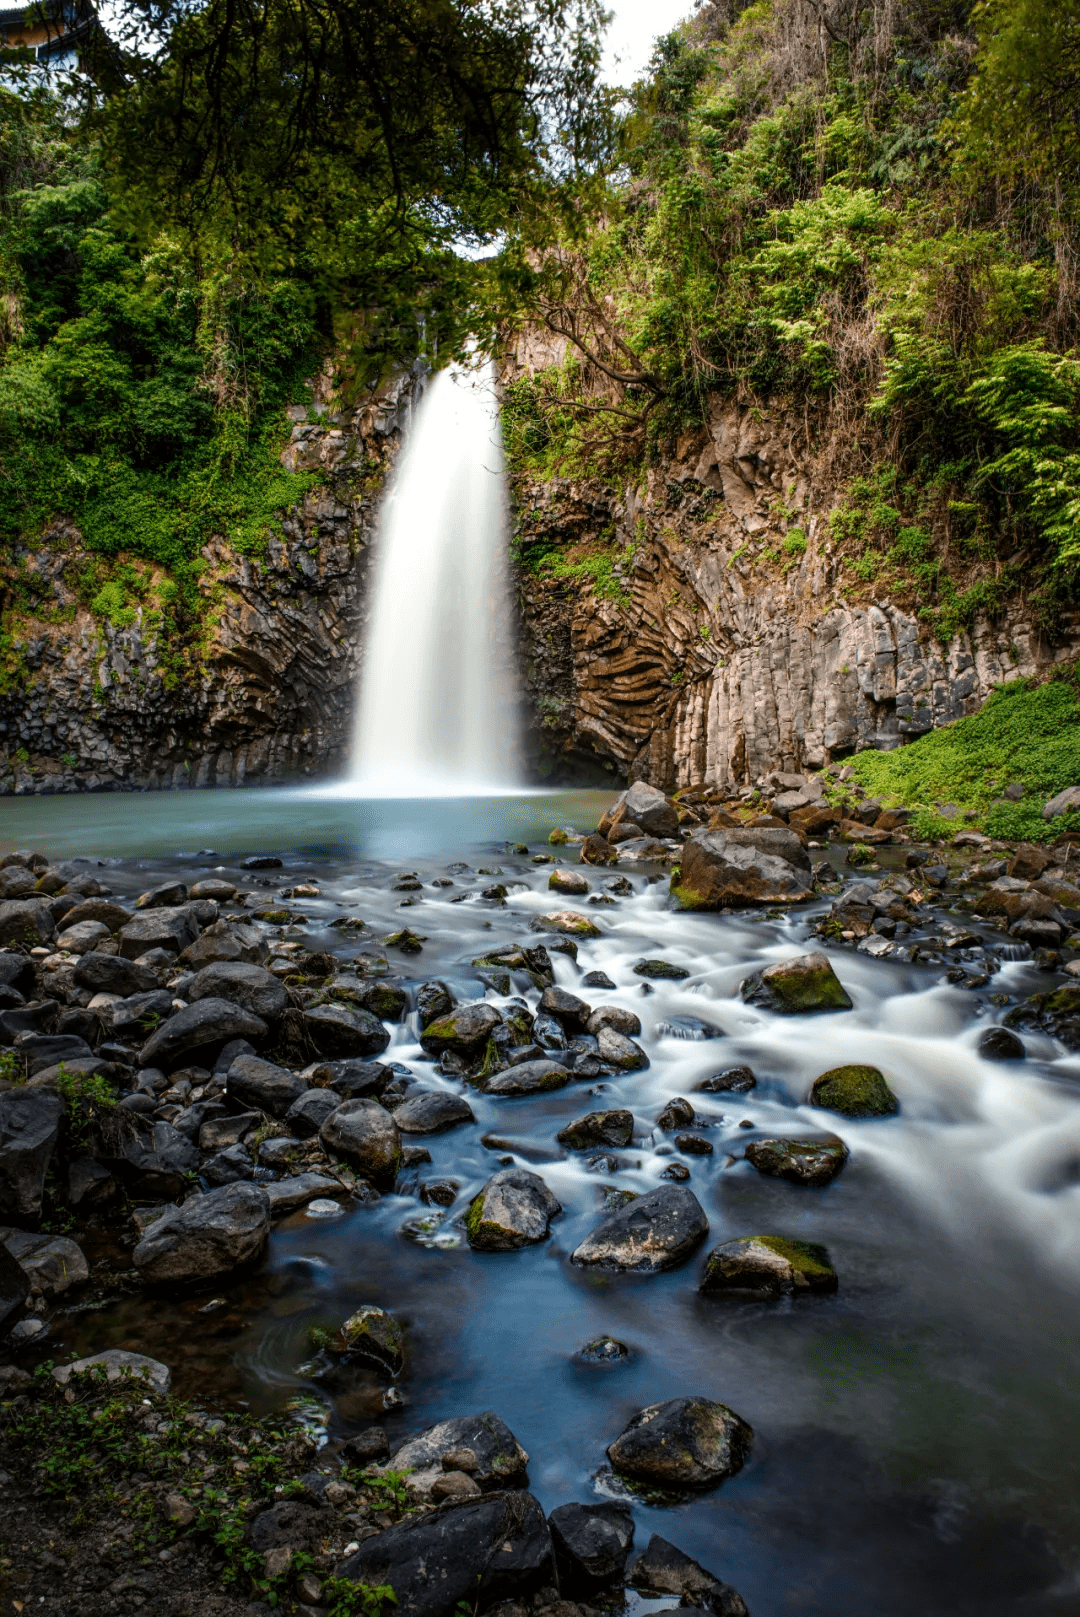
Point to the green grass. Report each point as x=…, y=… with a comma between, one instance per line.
x=1024, y=735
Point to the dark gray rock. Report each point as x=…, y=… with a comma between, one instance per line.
x=618, y=1051
x=30, y=1121
x=657, y=1231
x=464, y=1031
x=373, y=1334
x=800, y=1162
x=572, y=1012
x=112, y=974
x=480, y=1551
x=39, y=1018
x=664, y=1570
x=54, y=1263
x=796, y=987
x=768, y=1266
x=208, y=1236
x=513, y=1210
x=42, y=1050
x=369, y=1447
x=168, y=929
x=152, y=1160
x=17, y=971
x=165, y=896
x=614, y=1128
x=365, y=1134
x=337, y=1032
x=295, y=1523
x=350, y=1078
x=745, y=865
x=1000, y=1044
x=90, y=1185
x=14, y=1289
x=243, y=983
x=252, y=1082
x=591, y=1543
x=307, y=1115
x=528, y=1078
x=433, y=1113
x=137, y=1016
x=433, y=1000
x=500, y=1458
x=682, y=1443
x=230, y=1166
x=736, y=1080
x=25, y=922
x=199, y=1027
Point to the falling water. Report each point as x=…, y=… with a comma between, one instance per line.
x=437, y=710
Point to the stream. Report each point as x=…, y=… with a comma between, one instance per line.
x=917, y=1434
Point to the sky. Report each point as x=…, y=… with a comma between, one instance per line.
x=634, y=27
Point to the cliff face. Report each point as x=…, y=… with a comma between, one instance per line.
x=715, y=654
x=703, y=650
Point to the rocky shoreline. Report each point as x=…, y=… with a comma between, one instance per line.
x=179, y=1071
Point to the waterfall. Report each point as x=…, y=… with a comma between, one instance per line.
x=437, y=711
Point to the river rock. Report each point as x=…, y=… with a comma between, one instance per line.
x=800, y=1162
x=682, y=1443
x=252, y=1082
x=119, y=1366
x=614, y=1128
x=204, y=1026
x=645, y=806
x=337, y=1031
x=30, y=1121
x=79, y=939
x=433, y=1113
x=54, y=1263
x=513, y=1210
x=309, y=1112
x=17, y=971
x=213, y=887
x=365, y=1134
x=168, y=929
x=25, y=922
x=112, y=974
x=527, y=1078
x=1000, y=1044
x=854, y=1091
x=150, y=1158
x=387, y=1001
x=572, y=1012
x=207, y=1237
x=660, y=971
x=41, y=1050
x=225, y=941
x=477, y=1551
x=736, y=1080
x=292, y=1524
x=219, y=1132
x=565, y=921
x=464, y=1032
x=285, y=1195
x=349, y=1078
x=750, y=865
x=243, y=984
x=656, y=1231
x=500, y=1460
x=664, y=1570
x=374, y=1334
x=768, y=1266
x=794, y=987
x=591, y=1543
x=619, y=1051
x=433, y=1001
x=570, y=882
x=622, y=1021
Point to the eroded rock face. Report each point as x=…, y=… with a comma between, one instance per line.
x=750, y=865
x=683, y=1443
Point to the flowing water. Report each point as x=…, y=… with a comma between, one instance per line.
x=437, y=696
x=916, y=1435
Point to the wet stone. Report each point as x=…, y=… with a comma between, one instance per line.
x=528, y=1078
x=795, y=987
x=604, y=1350
x=365, y=1134
x=768, y=1266
x=664, y=1570
x=596, y=979
x=570, y=882
x=373, y=1334
x=660, y=970
x=1000, y=1044
x=677, y=1114
x=616, y=1050
x=800, y=1162
x=591, y=1544
x=854, y=1091
x=567, y=1009
x=735, y=1080
x=614, y=1016
x=433, y=1113
x=653, y=1232
x=614, y=1128
x=682, y=1443
x=693, y=1145
x=514, y=1209
x=500, y=1458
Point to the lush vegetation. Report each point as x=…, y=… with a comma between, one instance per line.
x=868, y=214
x=1024, y=736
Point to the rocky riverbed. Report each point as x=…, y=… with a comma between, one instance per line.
x=602, y=1221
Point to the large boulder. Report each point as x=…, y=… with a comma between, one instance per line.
x=244, y=984
x=257, y=1083
x=476, y=1552
x=591, y=1543
x=796, y=987
x=204, y=1026
x=644, y=806
x=433, y=1113
x=208, y=1236
x=464, y=1031
x=112, y=974
x=854, y=1091
x=225, y=941
x=800, y=1162
x=664, y=1570
x=513, y=1210
x=30, y=1121
x=682, y=1443
x=750, y=865
x=168, y=929
x=767, y=1266
x=54, y=1263
x=614, y=1129
x=339, y=1032
x=25, y=922
x=365, y=1134
x=656, y=1231
x=499, y=1461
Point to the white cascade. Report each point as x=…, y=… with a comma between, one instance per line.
x=438, y=702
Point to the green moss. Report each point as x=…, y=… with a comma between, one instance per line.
x=854, y=1091
x=685, y=896
x=807, y=1258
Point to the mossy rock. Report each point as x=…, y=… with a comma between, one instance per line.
x=568, y=922
x=386, y=1002
x=373, y=1334
x=768, y=1266
x=660, y=971
x=854, y=1091
x=686, y=897
x=796, y=987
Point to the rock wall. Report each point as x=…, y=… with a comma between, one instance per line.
x=723, y=656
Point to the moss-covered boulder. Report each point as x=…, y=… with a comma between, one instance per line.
x=796, y=987
x=749, y=865
x=854, y=1091
x=571, y=882
x=568, y=922
x=375, y=1335
x=465, y=1031
x=683, y=1443
x=768, y=1266
x=800, y=1162
x=513, y=1210
x=384, y=1000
